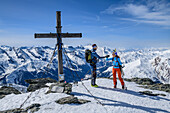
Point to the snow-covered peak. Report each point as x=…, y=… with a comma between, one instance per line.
x=18, y=64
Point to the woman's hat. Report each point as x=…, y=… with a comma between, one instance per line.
x=114, y=52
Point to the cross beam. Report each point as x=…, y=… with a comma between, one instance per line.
x=55, y=35
x=59, y=37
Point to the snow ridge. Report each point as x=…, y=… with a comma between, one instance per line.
x=30, y=62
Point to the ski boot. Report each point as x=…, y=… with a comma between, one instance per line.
x=94, y=85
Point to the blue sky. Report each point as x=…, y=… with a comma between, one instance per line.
x=113, y=23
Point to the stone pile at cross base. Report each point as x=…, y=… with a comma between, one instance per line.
x=55, y=87
x=37, y=84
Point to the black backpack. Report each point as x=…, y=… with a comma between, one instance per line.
x=88, y=56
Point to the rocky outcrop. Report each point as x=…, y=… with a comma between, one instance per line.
x=149, y=84
x=71, y=100
x=5, y=90
x=60, y=88
x=158, y=86
x=2, y=96
x=141, y=81
x=33, y=108
x=17, y=110
x=56, y=87
x=150, y=93
x=30, y=109
x=162, y=69
x=38, y=83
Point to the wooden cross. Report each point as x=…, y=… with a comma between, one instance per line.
x=59, y=37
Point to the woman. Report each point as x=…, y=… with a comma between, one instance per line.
x=116, y=68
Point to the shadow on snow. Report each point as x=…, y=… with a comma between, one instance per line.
x=124, y=104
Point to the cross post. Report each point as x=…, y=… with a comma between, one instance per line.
x=59, y=37
x=59, y=49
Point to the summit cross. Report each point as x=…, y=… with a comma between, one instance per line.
x=59, y=37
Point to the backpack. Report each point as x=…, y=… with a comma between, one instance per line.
x=88, y=56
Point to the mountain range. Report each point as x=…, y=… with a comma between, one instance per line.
x=20, y=63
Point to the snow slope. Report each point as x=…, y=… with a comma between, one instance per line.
x=114, y=100
x=18, y=64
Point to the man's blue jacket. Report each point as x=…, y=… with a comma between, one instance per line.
x=95, y=56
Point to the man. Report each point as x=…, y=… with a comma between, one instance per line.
x=116, y=68
x=95, y=58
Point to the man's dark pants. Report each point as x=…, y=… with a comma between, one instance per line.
x=93, y=70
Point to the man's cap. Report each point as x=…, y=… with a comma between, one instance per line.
x=94, y=45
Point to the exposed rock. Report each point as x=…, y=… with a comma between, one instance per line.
x=161, y=87
x=150, y=93
x=71, y=100
x=149, y=84
x=31, y=109
x=82, y=101
x=34, y=87
x=2, y=96
x=141, y=81
x=17, y=110
x=60, y=88
x=5, y=90
x=55, y=89
x=162, y=69
x=38, y=83
x=68, y=88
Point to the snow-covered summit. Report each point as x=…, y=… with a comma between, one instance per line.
x=114, y=100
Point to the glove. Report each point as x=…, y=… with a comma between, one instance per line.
x=107, y=56
x=123, y=66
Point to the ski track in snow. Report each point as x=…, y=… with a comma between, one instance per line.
x=114, y=100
